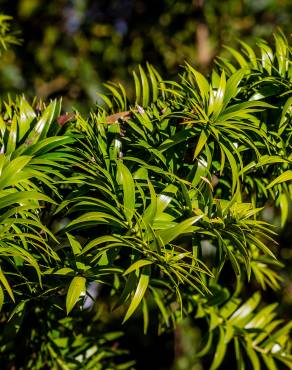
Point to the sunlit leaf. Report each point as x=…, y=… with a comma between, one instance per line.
x=76, y=288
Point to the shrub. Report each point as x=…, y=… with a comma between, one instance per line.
x=151, y=208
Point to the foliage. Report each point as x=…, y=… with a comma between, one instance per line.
x=73, y=45
x=6, y=36
x=149, y=208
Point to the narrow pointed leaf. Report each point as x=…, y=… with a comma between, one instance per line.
x=170, y=234
x=1, y=298
x=76, y=287
x=75, y=245
x=126, y=180
x=286, y=176
x=6, y=285
x=220, y=351
x=201, y=143
x=139, y=293
x=137, y=265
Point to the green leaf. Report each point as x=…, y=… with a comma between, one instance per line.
x=105, y=99
x=154, y=82
x=232, y=86
x=76, y=287
x=47, y=145
x=95, y=217
x=219, y=97
x=139, y=293
x=275, y=336
x=251, y=54
x=170, y=234
x=201, y=81
x=11, y=174
x=125, y=178
x=18, y=310
x=161, y=304
x=233, y=165
x=11, y=144
x=239, y=58
x=26, y=116
x=119, y=98
x=75, y=245
x=6, y=285
x=137, y=88
x=64, y=271
x=255, y=362
x=145, y=87
x=23, y=197
x=100, y=240
x=220, y=351
x=137, y=265
x=201, y=143
x=282, y=52
x=238, y=355
x=44, y=123
x=207, y=347
x=150, y=212
x=285, y=176
x=284, y=205
x=145, y=315
x=1, y=298
x=243, y=311
x=269, y=362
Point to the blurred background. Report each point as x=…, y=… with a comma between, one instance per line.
x=71, y=46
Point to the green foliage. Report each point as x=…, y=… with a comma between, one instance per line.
x=156, y=201
x=255, y=334
x=7, y=38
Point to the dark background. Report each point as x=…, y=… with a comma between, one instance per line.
x=71, y=46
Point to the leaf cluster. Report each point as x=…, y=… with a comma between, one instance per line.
x=149, y=207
